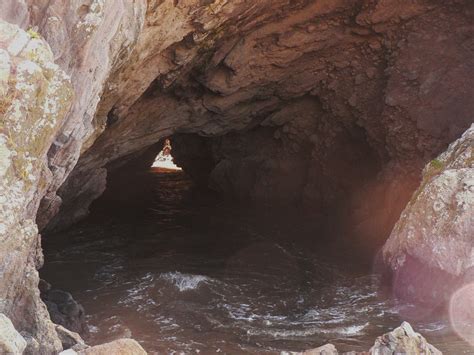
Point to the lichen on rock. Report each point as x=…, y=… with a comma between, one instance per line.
x=437, y=227
x=403, y=340
x=29, y=122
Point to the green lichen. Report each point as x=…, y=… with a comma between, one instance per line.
x=33, y=33
x=32, y=56
x=437, y=164
x=433, y=169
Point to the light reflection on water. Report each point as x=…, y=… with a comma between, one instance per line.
x=200, y=278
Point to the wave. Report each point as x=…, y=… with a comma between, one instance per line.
x=184, y=282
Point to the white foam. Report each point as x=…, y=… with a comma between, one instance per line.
x=351, y=330
x=283, y=333
x=184, y=282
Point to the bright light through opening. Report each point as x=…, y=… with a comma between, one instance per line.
x=164, y=159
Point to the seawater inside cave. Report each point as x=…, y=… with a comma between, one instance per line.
x=179, y=269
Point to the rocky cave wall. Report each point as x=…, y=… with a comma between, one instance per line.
x=359, y=96
x=35, y=95
x=321, y=101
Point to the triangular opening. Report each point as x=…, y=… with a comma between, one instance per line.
x=164, y=159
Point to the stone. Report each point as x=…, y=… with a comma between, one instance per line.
x=116, y=347
x=11, y=342
x=70, y=339
x=403, y=340
x=64, y=310
x=327, y=349
x=430, y=250
x=68, y=352
x=32, y=345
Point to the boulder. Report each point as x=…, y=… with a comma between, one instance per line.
x=33, y=347
x=116, y=347
x=11, y=342
x=327, y=349
x=70, y=339
x=68, y=352
x=431, y=248
x=403, y=340
x=64, y=310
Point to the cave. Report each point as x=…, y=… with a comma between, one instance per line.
x=211, y=250
x=236, y=177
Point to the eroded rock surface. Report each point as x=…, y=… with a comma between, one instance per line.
x=11, y=342
x=42, y=130
x=403, y=340
x=431, y=248
x=64, y=310
x=338, y=93
x=36, y=95
x=116, y=347
x=90, y=40
x=327, y=349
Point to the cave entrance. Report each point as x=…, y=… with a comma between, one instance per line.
x=167, y=260
x=164, y=160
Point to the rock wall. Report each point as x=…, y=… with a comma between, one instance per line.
x=43, y=129
x=335, y=80
x=77, y=31
x=35, y=97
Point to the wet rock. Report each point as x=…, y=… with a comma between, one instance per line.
x=430, y=250
x=70, y=339
x=403, y=340
x=44, y=286
x=116, y=347
x=64, y=310
x=11, y=342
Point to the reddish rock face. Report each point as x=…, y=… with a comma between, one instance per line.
x=343, y=95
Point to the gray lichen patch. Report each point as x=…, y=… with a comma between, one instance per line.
x=37, y=97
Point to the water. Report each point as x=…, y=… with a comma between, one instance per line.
x=194, y=276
